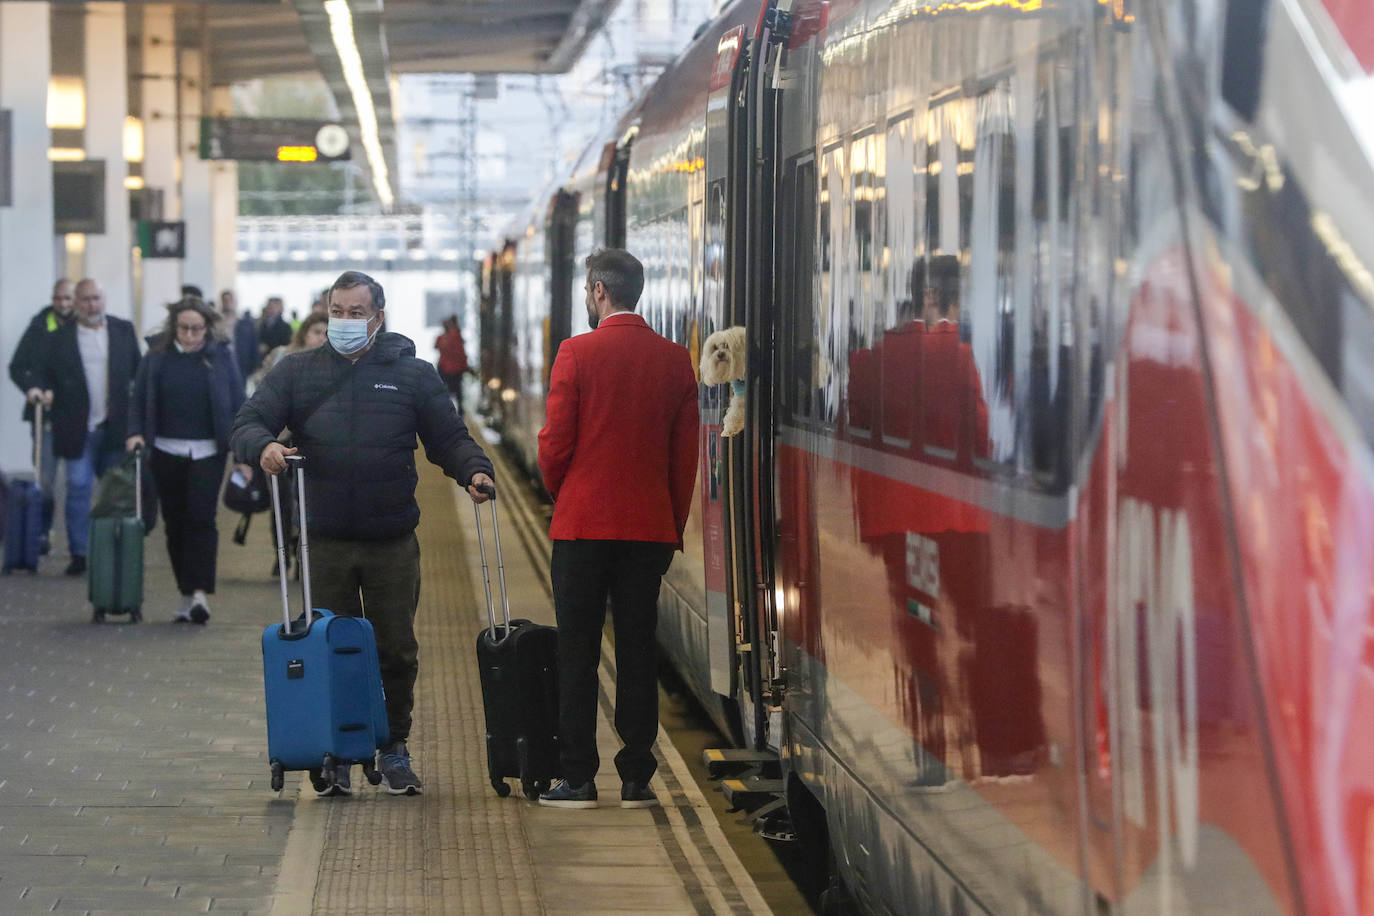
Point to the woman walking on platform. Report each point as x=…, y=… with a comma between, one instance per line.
x=186, y=393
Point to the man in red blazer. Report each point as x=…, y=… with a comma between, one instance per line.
x=618, y=453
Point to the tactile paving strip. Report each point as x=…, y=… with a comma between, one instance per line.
x=458, y=848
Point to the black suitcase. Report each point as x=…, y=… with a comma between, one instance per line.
x=518, y=665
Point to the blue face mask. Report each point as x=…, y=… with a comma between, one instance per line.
x=349, y=335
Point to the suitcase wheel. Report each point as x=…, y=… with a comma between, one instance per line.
x=534, y=788
x=97, y=616
x=136, y=616
x=370, y=771
x=501, y=787
x=278, y=776
x=317, y=780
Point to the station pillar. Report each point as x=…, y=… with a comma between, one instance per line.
x=198, y=267
x=224, y=205
x=28, y=265
x=109, y=257
x=161, y=277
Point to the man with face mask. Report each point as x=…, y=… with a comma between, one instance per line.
x=27, y=357
x=355, y=407
x=86, y=373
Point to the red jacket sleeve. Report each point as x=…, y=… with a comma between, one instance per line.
x=559, y=435
x=683, y=459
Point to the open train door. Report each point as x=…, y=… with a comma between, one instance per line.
x=740, y=180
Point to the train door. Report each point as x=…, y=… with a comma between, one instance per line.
x=740, y=132
x=720, y=522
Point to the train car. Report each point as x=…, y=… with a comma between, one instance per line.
x=1044, y=558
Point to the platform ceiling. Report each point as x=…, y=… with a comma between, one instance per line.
x=251, y=40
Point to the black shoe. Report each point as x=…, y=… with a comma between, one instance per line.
x=199, y=613
x=637, y=795
x=77, y=567
x=567, y=795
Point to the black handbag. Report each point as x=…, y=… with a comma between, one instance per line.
x=247, y=496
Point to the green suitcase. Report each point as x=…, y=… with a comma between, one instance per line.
x=116, y=567
x=115, y=562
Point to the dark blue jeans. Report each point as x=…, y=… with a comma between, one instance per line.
x=585, y=574
x=81, y=475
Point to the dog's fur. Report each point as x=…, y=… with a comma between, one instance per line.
x=723, y=359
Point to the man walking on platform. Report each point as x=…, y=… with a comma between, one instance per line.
x=86, y=372
x=28, y=356
x=243, y=334
x=354, y=407
x=618, y=453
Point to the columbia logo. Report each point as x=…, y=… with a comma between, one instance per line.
x=386, y=386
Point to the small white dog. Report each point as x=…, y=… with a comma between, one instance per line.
x=723, y=359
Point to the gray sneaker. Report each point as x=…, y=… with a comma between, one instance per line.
x=341, y=785
x=397, y=776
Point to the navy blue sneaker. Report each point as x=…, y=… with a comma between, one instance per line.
x=397, y=776
x=567, y=795
x=637, y=795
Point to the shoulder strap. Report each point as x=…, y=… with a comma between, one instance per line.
x=332, y=390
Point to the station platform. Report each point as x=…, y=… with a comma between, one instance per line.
x=134, y=774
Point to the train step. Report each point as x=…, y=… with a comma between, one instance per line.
x=749, y=792
x=727, y=761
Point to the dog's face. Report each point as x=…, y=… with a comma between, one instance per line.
x=723, y=356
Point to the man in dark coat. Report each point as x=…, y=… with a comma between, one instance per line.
x=86, y=371
x=355, y=407
x=618, y=453
x=27, y=357
x=243, y=332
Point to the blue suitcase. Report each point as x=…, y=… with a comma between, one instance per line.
x=323, y=683
x=24, y=515
x=23, y=526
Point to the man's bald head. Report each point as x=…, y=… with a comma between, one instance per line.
x=90, y=302
x=62, y=297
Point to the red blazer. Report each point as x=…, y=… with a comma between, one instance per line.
x=618, y=450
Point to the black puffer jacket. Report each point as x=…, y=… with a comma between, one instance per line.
x=359, y=445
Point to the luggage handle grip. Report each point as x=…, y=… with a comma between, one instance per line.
x=490, y=491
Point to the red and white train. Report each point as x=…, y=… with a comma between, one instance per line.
x=1046, y=558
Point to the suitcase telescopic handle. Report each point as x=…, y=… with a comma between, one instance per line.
x=490, y=491
x=138, y=483
x=38, y=443
x=299, y=464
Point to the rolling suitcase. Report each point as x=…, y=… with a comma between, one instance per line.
x=114, y=580
x=325, y=706
x=518, y=666
x=24, y=513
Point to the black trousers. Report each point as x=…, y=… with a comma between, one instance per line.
x=189, y=492
x=379, y=580
x=584, y=574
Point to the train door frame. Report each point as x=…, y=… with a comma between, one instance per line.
x=560, y=229
x=617, y=175
x=752, y=530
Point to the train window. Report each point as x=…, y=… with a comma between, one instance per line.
x=797, y=207
x=836, y=256
x=898, y=351
x=861, y=372
x=933, y=169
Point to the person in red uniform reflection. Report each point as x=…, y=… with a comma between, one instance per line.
x=955, y=413
x=618, y=453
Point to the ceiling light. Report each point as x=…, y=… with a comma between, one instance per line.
x=341, y=30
